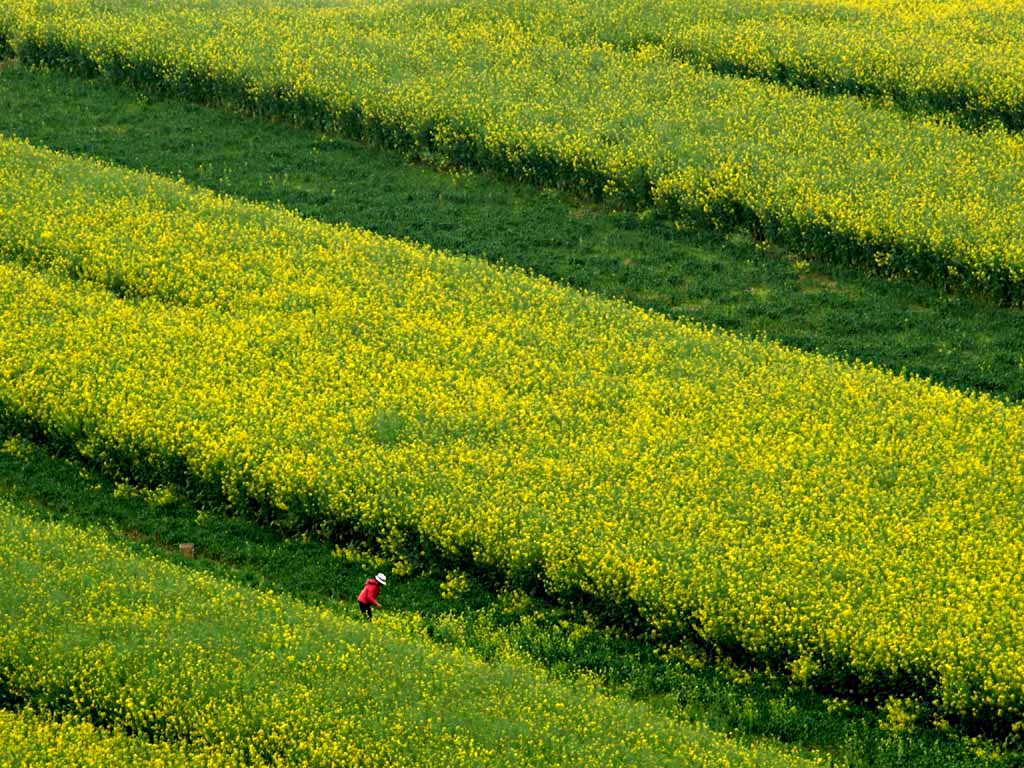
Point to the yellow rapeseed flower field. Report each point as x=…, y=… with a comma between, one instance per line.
x=31, y=741
x=960, y=58
x=219, y=675
x=478, y=86
x=833, y=515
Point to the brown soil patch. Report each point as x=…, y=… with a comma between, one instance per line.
x=816, y=281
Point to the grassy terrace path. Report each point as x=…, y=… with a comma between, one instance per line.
x=682, y=681
x=724, y=280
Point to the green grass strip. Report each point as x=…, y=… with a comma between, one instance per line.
x=832, y=517
x=831, y=177
x=179, y=656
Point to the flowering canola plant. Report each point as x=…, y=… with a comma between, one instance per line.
x=31, y=741
x=181, y=658
x=960, y=59
x=833, y=515
x=478, y=86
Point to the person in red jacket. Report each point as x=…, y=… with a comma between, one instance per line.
x=368, y=597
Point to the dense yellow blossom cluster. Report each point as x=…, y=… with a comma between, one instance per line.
x=833, y=514
x=177, y=656
x=475, y=85
x=31, y=741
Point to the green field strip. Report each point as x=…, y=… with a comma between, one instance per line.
x=677, y=272
x=963, y=61
x=182, y=657
x=832, y=177
x=829, y=515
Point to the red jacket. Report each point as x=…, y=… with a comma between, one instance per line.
x=370, y=592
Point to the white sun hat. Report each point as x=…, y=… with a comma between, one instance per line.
x=381, y=578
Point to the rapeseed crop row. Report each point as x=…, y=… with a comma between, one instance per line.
x=964, y=59
x=475, y=86
x=834, y=517
x=176, y=656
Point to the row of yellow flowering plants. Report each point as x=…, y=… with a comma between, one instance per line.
x=960, y=58
x=33, y=741
x=475, y=86
x=237, y=676
x=831, y=516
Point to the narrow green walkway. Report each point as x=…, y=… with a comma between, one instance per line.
x=704, y=276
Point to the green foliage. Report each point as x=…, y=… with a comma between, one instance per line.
x=876, y=317
x=387, y=426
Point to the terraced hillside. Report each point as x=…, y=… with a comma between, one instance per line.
x=842, y=528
